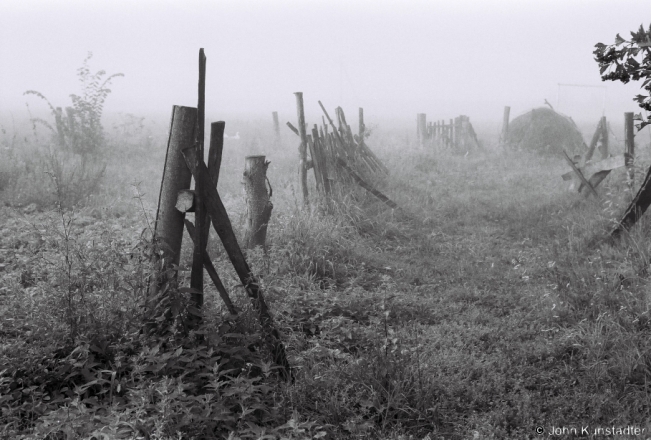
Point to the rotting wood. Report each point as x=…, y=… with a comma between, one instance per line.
x=258, y=202
x=222, y=225
x=212, y=273
x=302, y=149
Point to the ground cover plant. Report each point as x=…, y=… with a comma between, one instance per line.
x=491, y=309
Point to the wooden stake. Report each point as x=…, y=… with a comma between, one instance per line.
x=212, y=273
x=593, y=142
x=274, y=116
x=196, y=276
x=302, y=149
x=603, y=148
x=505, y=125
x=222, y=225
x=629, y=142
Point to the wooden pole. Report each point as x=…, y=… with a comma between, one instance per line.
x=362, y=127
x=629, y=142
x=196, y=276
x=222, y=225
x=603, y=148
x=274, y=115
x=505, y=125
x=168, y=229
x=302, y=149
x=593, y=142
x=423, y=129
x=320, y=163
x=258, y=203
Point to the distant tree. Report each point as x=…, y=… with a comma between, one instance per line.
x=628, y=60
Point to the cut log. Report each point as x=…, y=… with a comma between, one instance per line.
x=257, y=202
x=168, y=229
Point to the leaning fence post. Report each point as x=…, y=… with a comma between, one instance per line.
x=168, y=229
x=629, y=142
x=302, y=149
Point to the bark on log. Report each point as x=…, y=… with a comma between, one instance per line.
x=168, y=229
x=257, y=201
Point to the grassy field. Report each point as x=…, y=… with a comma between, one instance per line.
x=490, y=311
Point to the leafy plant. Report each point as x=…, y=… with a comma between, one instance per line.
x=627, y=60
x=80, y=129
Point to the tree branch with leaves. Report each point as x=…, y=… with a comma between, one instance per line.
x=627, y=60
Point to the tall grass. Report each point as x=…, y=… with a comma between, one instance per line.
x=486, y=311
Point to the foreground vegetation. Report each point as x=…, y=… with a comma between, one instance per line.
x=487, y=312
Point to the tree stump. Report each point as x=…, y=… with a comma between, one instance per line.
x=258, y=202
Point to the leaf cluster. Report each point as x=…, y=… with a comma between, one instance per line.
x=627, y=60
x=80, y=128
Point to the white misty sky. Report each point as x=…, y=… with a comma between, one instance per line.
x=395, y=59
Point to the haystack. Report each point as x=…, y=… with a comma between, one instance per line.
x=545, y=131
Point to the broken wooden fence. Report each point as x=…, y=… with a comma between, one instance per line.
x=336, y=155
x=185, y=160
x=457, y=136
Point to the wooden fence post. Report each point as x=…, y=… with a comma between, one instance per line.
x=196, y=275
x=362, y=127
x=593, y=142
x=274, y=115
x=302, y=149
x=257, y=202
x=629, y=142
x=505, y=125
x=603, y=148
x=422, y=126
x=168, y=229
